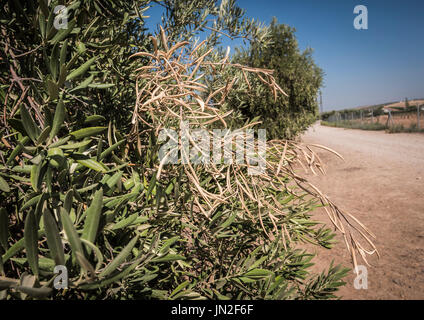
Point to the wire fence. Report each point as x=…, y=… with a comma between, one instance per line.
x=413, y=119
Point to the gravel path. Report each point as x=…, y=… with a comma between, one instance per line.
x=381, y=182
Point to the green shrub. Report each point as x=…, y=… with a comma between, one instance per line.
x=396, y=128
x=355, y=125
x=295, y=72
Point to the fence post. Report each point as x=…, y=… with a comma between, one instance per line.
x=389, y=119
x=418, y=117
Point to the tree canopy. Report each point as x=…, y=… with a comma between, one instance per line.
x=296, y=73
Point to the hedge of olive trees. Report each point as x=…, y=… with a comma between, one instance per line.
x=296, y=73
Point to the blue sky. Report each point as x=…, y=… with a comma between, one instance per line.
x=363, y=67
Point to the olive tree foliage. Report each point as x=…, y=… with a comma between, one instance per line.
x=80, y=181
x=296, y=73
x=185, y=19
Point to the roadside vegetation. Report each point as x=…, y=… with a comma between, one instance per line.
x=283, y=116
x=355, y=125
x=396, y=128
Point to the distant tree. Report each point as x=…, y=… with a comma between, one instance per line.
x=296, y=73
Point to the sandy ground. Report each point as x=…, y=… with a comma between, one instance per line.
x=381, y=182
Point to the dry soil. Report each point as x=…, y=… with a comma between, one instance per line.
x=381, y=182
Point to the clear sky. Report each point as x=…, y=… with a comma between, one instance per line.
x=363, y=67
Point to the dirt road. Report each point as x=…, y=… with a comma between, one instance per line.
x=381, y=182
